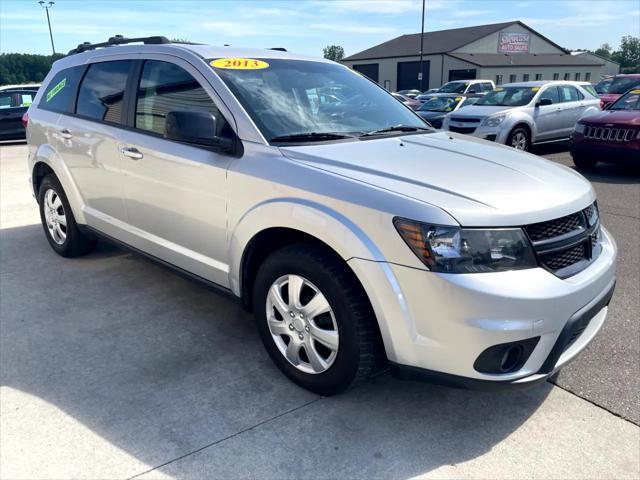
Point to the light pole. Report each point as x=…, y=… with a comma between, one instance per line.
x=47, y=6
x=421, y=49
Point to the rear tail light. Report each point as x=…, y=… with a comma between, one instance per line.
x=25, y=120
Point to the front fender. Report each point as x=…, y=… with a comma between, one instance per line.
x=317, y=220
x=48, y=155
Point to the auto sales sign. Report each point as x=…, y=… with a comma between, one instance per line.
x=514, y=42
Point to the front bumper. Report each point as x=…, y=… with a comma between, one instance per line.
x=438, y=324
x=607, y=153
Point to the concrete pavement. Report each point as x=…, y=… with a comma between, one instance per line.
x=113, y=367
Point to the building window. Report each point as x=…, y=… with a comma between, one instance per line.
x=498, y=79
x=577, y=76
x=387, y=85
x=556, y=76
x=538, y=76
x=567, y=76
x=512, y=78
x=587, y=76
x=525, y=77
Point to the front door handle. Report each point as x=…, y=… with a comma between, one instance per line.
x=131, y=152
x=65, y=133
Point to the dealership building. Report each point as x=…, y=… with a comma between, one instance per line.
x=502, y=52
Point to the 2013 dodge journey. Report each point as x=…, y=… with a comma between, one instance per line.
x=358, y=236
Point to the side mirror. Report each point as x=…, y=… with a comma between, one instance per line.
x=544, y=102
x=197, y=128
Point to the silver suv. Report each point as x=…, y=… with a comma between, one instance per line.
x=521, y=114
x=358, y=236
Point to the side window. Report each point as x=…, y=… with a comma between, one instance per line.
x=5, y=100
x=25, y=99
x=487, y=86
x=165, y=87
x=569, y=94
x=60, y=91
x=102, y=89
x=552, y=94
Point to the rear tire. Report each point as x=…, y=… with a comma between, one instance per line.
x=520, y=139
x=59, y=224
x=584, y=163
x=330, y=350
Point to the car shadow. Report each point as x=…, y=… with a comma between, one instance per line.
x=160, y=366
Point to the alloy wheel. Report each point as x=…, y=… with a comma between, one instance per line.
x=55, y=217
x=302, y=324
x=519, y=141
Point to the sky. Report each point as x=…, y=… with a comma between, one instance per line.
x=305, y=26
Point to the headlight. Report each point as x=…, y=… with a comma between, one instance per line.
x=467, y=250
x=579, y=128
x=493, y=121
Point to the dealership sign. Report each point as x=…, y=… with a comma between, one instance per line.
x=514, y=42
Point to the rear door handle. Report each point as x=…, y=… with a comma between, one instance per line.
x=65, y=133
x=131, y=152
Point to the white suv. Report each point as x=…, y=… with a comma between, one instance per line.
x=356, y=234
x=521, y=114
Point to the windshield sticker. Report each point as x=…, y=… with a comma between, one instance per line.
x=457, y=99
x=535, y=89
x=636, y=92
x=239, y=64
x=498, y=89
x=54, y=91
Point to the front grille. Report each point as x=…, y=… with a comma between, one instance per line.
x=567, y=245
x=608, y=134
x=462, y=129
x=555, y=228
x=466, y=119
x=564, y=258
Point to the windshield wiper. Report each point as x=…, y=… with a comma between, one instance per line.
x=310, y=137
x=395, y=128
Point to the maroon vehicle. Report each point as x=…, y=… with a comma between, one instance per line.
x=619, y=85
x=610, y=136
x=412, y=103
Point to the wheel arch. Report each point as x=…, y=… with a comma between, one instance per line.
x=527, y=126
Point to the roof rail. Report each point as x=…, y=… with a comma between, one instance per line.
x=279, y=49
x=119, y=40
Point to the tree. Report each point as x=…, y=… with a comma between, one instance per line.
x=629, y=54
x=333, y=52
x=24, y=67
x=604, y=50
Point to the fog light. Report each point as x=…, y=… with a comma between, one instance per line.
x=505, y=357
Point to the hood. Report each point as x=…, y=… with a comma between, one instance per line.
x=615, y=117
x=480, y=111
x=609, y=97
x=479, y=183
x=431, y=115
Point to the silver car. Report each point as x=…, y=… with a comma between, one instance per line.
x=522, y=114
x=358, y=236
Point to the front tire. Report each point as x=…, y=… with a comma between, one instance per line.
x=314, y=318
x=520, y=139
x=59, y=224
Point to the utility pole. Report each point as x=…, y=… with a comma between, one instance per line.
x=47, y=6
x=421, y=49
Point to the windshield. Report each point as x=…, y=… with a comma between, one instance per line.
x=603, y=85
x=440, y=104
x=292, y=97
x=509, y=96
x=622, y=84
x=453, y=87
x=630, y=101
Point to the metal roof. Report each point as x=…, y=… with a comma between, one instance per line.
x=441, y=41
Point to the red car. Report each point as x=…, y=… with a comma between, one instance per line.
x=610, y=136
x=619, y=85
x=412, y=103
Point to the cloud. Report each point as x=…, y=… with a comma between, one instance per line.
x=352, y=28
x=471, y=13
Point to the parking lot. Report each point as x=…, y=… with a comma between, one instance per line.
x=114, y=367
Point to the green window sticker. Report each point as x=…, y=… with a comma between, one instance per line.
x=54, y=91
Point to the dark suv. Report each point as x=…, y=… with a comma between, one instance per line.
x=611, y=136
x=619, y=85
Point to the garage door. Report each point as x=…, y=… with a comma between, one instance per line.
x=408, y=76
x=368, y=69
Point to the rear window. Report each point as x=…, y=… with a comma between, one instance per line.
x=59, y=94
x=590, y=89
x=101, y=92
